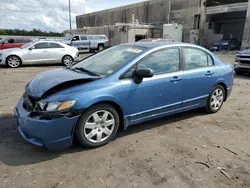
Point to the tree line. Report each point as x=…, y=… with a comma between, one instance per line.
x=34, y=32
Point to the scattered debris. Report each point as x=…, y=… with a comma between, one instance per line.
x=246, y=153
x=225, y=174
x=203, y=164
x=230, y=151
x=55, y=185
x=210, y=161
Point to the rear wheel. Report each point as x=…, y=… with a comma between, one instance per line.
x=97, y=126
x=215, y=99
x=13, y=61
x=67, y=60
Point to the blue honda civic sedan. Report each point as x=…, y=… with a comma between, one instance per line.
x=119, y=87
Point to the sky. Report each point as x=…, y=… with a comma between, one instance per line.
x=49, y=15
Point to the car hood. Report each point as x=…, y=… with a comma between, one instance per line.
x=10, y=50
x=50, y=82
x=244, y=52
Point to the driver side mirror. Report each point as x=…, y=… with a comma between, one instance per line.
x=31, y=48
x=74, y=39
x=142, y=73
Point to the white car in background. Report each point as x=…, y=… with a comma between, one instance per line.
x=39, y=52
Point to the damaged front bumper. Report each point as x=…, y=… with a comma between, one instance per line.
x=53, y=134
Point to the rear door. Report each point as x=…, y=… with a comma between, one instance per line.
x=199, y=78
x=55, y=52
x=19, y=42
x=84, y=42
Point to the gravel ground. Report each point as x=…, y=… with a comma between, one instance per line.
x=191, y=149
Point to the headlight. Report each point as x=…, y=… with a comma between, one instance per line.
x=237, y=59
x=54, y=106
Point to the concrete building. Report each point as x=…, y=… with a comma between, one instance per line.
x=204, y=21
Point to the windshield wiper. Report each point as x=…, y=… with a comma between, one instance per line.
x=87, y=71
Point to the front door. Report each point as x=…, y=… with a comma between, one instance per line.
x=39, y=53
x=158, y=95
x=199, y=76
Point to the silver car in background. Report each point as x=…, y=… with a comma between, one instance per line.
x=39, y=52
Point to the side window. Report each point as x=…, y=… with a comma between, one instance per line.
x=164, y=61
x=41, y=45
x=210, y=61
x=11, y=41
x=195, y=58
x=21, y=41
x=76, y=38
x=83, y=38
x=55, y=45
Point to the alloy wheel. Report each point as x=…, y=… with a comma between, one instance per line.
x=67, y=60
x=99, y=126
x=13, y=61
x=217, y=99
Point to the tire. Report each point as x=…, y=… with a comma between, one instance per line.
x=91, y=131
x=67, y=60
x=237, y=72
x=13, y=61
x=216, y=99
x=100, y=47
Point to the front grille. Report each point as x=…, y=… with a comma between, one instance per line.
x=29, y=102
x=244, y=62
x=244, y=57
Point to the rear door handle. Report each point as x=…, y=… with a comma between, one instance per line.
x=44, y=51
x=209, y=73
x=176, y=79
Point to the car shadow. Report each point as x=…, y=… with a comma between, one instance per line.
x=15, y=151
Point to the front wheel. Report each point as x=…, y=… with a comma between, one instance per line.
x=97, y=126
x=215, y=99
x=13, y=61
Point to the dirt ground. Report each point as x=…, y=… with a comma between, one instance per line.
x=188, y=150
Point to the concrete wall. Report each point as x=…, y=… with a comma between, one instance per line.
x=116, y=36
x=151, y=12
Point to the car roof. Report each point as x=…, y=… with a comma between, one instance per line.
x=159, y=44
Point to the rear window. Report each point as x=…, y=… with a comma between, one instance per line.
x=98, y=37
x=21, y=41
x=55, y=45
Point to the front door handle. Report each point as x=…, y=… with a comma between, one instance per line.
x=176, y=79
x=44, y=51
x=209, y=73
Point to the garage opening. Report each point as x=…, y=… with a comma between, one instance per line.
x=140, y=37
x=227, y=26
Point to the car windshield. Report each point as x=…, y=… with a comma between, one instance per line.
x=109, y=61
x=68, y=37
x=27, y=45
